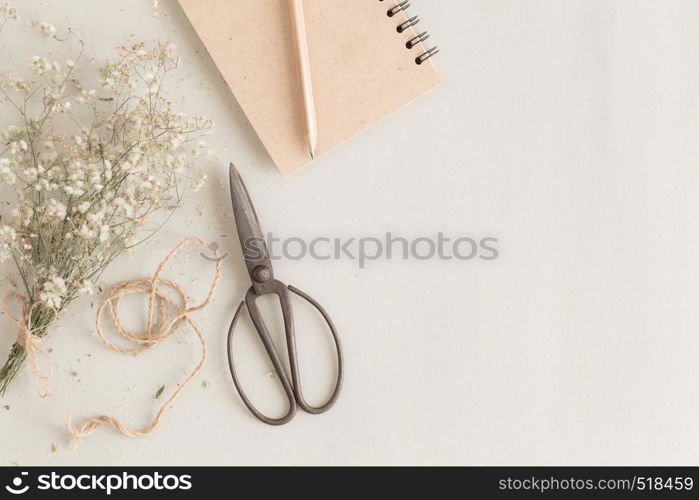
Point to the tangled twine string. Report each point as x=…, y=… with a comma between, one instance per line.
x=158, y=328
x=27, y=339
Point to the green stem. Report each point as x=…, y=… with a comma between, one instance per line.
x=12, y=365
x=39, y=325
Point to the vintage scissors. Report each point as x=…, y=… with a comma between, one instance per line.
x=259, y=265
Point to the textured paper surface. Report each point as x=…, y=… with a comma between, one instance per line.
x=362, y=70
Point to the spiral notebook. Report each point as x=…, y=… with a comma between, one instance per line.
x=364, y=60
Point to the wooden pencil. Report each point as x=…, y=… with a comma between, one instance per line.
x=298, y=29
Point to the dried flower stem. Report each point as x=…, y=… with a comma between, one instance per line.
x=88, y=169
x=38, y=324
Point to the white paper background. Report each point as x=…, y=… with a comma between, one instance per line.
x=567, y=129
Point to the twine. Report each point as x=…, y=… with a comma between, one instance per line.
x=27, y=339
x=158, y=328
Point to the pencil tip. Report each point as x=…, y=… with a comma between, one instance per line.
x=313, y=155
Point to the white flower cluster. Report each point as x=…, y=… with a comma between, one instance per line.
x=47, y=29
x=53, y=292
x=84, y=192
x=7, y=172
x=8, y=238
x=8, y=12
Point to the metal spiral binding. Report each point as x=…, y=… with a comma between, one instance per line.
x=417, y=40
x=414, y=41
x=426, y=55
x=404, y=5
x=407, y=24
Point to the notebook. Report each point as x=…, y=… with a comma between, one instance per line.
x=361, y=67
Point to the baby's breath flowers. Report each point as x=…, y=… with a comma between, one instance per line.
x=7, y=13
x=83, y=171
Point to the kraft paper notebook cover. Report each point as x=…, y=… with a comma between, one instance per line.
x=362, y=69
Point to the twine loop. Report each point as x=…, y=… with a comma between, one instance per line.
x=27, y=338
x=166, y=316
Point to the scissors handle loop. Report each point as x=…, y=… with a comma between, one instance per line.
x=278, y=368
x=292, y=388
x=295, y=370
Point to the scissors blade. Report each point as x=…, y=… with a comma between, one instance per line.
x=252, y=241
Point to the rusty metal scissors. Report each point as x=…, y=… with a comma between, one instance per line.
x=259, y=265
